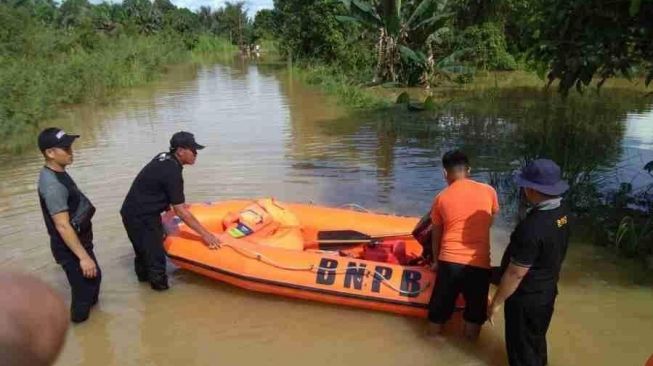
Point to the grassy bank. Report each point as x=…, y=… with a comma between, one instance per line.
x=353, y=92
x=208, y=45
x=32, y=88
x=332, y=81
x=52, y=55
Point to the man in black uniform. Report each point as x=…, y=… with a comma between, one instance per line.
x=531, y=265
x=67, y=214
x=157, y=187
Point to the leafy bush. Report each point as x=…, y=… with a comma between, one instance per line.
x=310, y=30
x=484, y=46
x=82, y=52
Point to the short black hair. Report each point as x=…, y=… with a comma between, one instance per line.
x=455, y=159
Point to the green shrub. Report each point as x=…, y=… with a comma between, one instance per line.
x=333, y=81
x=484, y=46
x=208, y=44
x=75, y=52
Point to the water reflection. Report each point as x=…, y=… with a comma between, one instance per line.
x=401, y=150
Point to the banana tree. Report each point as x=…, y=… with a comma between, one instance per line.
x=405, y=29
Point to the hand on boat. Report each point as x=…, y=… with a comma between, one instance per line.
x=211, y=241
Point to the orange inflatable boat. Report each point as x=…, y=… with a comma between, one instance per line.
x=333, y=255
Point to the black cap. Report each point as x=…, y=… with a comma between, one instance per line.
x=55, y=137
x=184, y=139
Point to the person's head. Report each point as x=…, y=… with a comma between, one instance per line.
x=456, y=165
x=56, y=146
x=184, y=146
x=33, y=321
x=541, y=180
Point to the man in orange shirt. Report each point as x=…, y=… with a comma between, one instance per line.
x=461, y=215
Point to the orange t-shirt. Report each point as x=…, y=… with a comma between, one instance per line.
x=464, y=210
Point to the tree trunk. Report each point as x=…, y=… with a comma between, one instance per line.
x=429, y=70
x=391, y=61
x=380, y=52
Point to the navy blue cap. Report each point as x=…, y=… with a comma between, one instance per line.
x=542, y=175
x=55, y=137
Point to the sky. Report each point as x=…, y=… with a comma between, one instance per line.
x=252, y=5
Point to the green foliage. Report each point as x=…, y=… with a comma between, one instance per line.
x=74, y=13
x=309, y=30
x=264, y=26
x=633, y=238
x=464, y=77
x=78, y=52
x=476, y=12
x=429, y=103
x=407, y=32
x=573, y=41
x=143, y=16
x=232, y=23
x=207, y=44
x=333, y=81
x=582, y=39
x=31, y=88
x=403, y=98
x=629, y=223
x=484, y=47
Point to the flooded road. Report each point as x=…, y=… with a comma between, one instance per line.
x=267, y=135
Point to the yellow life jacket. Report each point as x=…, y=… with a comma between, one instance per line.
x=267, y=222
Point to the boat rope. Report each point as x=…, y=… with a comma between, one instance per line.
x=313, y=268
x=354, y=207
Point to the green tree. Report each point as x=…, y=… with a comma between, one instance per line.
x=102, y=15
x=406, y=31
x=576, y=40
x=73, y=13
x=310, y=29
x=45, y=11
x=143, y=15
x=264, y=26
x=15, y=32
x=164, y=6
x=231, y=21
x=484, y=46
x=184, y=23
x=206, y=18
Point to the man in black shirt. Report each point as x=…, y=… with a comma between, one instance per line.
x=157, y=187
x=67, y=214
x=531, y=265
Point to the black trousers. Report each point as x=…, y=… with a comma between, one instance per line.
x=527, y=321
x=84, y=291
x=146, y=235
x=451, y=280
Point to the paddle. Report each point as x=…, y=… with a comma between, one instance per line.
x=345, y=237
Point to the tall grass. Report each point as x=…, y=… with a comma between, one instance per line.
x=208, y=44
x=60, y=71
x=32, y=88
x=335, y=82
